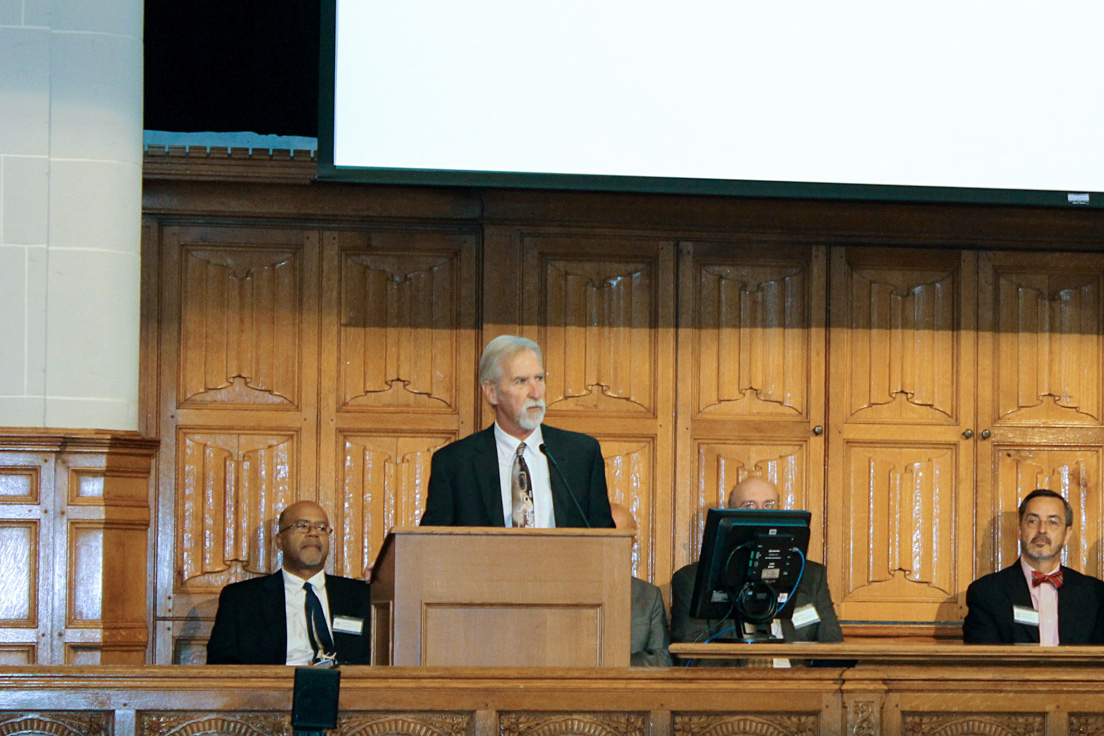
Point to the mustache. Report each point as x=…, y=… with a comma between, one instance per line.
x=1040, y=537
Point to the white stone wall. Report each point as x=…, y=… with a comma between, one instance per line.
x=70, y=212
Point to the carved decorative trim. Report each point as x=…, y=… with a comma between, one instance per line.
x=584, y=724
x=746, y=725
x=57, y=724
x=218, y=163
x=974, y=724
x=406, y=724
x=1086, y=724
x=861, y=718
x=209, y=724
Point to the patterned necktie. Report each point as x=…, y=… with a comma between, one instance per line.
x=1054, y=578
x=318, y=631
x=521, y=491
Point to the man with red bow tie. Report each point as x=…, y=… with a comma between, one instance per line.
x=1036, y=600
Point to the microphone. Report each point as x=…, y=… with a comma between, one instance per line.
x=544, y=451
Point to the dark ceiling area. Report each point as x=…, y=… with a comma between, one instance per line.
x=232, y=65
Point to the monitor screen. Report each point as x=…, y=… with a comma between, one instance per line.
x=750, y=565
x=934, y=101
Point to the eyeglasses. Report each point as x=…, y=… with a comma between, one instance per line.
x=303, y=526
x=756, y=506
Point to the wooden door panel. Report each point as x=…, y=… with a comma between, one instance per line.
x=751, y=379
x=901, y=406
x=1040, y=405
x=399, y=316
x=601, y=306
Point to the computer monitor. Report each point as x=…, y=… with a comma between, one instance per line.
x=750, y=565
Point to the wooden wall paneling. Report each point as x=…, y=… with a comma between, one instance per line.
x=1040, y=398
x=238, y=415
x=751, y=388
x=26, y=541
x=400, y=311
x=602, y=307
x=901, y=409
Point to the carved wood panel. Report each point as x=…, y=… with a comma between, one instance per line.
x=602, y=308
x=238, y=404
x=1073, y=472
x=751, y=388
x=956, y=724
x=758, y=724
x=722, y=465
x=399, y=345
x=901, y=463
x=383, y=484
x=572, y=724
x=240, y=335
x=231, y=486
x=630, y=477
x=57, y=723
x=1040, y=410
x=152, y=723
x=901, y=517
x=1045, y=322
x=405, y=724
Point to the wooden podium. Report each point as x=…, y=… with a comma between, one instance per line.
x=476, y=597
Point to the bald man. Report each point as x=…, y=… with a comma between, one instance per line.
x=298, y=615
x=650, y=636
x=814, y=614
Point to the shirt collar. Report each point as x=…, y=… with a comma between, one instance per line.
x=508, y=444
x=294, y=582
x=1027, y=569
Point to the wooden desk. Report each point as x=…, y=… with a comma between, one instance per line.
x=950, y=695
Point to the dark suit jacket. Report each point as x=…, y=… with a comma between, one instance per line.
x=650, y=635
x=464, y=488
x=990, y=600
x=251, y=623
x=813, y=589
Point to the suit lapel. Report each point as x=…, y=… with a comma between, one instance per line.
x=561, y=504
x=485, y=460
x=1069, y=596
x=1020, y=595
x=274, y=615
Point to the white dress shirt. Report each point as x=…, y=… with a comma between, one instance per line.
x=543, y=511
x=1044, y=599
x=299, y=651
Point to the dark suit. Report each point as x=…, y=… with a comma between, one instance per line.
x=251, y=622
x=650, y=635
x=464, y=487
x=990, y=600
x=813, y=589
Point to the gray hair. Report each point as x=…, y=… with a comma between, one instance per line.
x=498, y=350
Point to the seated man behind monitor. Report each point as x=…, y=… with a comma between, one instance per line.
x=650, y=637
x=1036, y=600
x=814, y=614
x=517, y=472
x=265, y=620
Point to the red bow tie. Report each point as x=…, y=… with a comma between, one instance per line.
x=1055, y=579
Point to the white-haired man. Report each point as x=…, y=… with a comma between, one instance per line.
x=517, y=472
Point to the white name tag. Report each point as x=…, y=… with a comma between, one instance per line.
x=1024, y=615
x=805, y=616
x=348, y=625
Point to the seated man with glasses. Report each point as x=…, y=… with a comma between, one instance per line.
x=814, y=617
x=299, y=615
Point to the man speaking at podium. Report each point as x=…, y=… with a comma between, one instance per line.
x=517, y=472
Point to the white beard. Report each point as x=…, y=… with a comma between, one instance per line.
x=528, y=420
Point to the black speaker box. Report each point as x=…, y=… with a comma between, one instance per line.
x=314, y=700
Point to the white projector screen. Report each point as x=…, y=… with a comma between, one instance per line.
x=942, y=101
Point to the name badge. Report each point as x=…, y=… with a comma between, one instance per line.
x=1024, y=615
x=805, y=616
x=348, y=625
